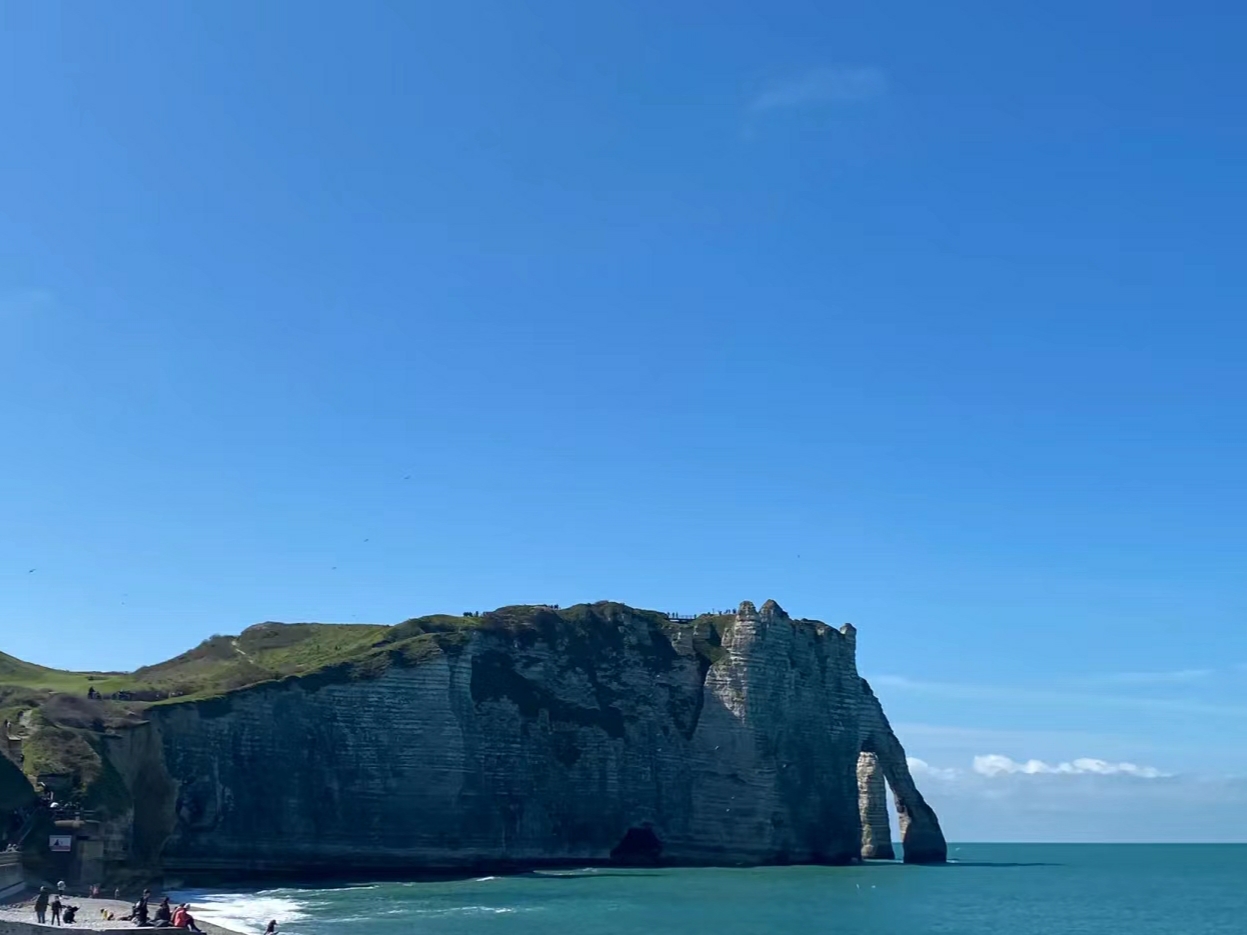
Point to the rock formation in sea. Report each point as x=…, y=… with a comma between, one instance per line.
x=872, y=804
x=531, y=736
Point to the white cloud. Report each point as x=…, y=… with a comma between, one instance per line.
x=1089, y=807
x=1086, y=799
x=834, y=85
x=922, y=769
x=994, y=764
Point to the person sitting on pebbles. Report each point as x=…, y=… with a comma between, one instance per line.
x=182, y=919
x=164, y=914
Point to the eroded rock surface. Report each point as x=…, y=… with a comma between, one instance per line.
x=872, y=805
x=593, y=733
x=922, y=841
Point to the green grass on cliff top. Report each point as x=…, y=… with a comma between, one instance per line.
x=220, y=663
x=28, y=675
x=63, y=729
x=272, y=651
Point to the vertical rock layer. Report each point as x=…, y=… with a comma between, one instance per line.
x=588, y=734
x=872, y=805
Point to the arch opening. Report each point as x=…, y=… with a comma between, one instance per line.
x=639, y=847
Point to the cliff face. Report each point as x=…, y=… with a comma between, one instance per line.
x=15, y=790
x=588, y=734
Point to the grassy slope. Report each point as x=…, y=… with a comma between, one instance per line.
x=221, y=663
x=270, y=651
x=14, y=672
x=261, y=653
x=67, y=727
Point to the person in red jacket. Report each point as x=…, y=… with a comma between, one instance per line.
x=182, y=919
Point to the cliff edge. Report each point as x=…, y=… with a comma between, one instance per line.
x=530, y=736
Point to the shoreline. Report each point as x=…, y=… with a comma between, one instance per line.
x=318, y=874
x=17, y=917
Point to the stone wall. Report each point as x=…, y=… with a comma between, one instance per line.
x=12, y=876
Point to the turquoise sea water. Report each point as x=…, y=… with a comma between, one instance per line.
x=1001, y=889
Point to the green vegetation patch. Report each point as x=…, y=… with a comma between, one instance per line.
x=443, y=624
x=16, y=673
x=262, y=653
x=53, y=748
x=708, y=633
x=589, y=635
x=593, y=640
x=17, y=699
x=50, y=748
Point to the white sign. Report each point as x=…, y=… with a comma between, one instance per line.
x=61, y=843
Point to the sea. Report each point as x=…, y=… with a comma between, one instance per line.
x=985, y=889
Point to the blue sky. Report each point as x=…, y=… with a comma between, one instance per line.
x=927, y=317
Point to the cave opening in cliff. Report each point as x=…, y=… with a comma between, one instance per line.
x=640, y=846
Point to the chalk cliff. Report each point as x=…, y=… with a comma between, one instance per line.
x=534, y=736
x=872, y=804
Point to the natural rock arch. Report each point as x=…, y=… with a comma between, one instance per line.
x=922, y=841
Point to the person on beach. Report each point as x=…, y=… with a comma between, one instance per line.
x=138, y=915
x=164, y=914
x=69, y=914
x=56, y=908
x=41, y=905
x=182, y=919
